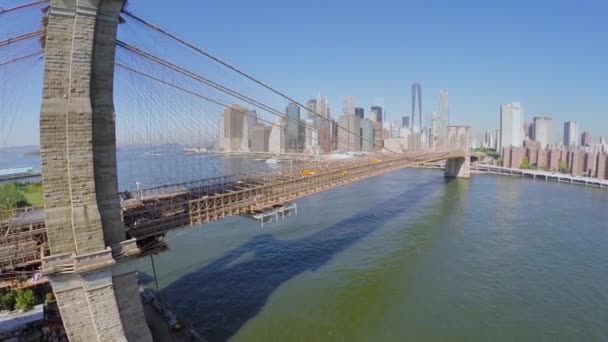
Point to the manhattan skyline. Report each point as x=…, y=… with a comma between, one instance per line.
x=551, y=61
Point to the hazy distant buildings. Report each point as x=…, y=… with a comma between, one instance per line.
x=367, y=135
x=311, y=108
x=292, y=128
x=349, y=130
x=359, y=112
x=348, y=105
x=260, y=138
x=276, y=140
x=442, y=120
x=511, y=125
x=322, y=106
x=377, y=113
x=543, y=131
x=416, y=100
x=571, y=134
x=405, y=121
x=586, y=139
x=489, y=140
x=238, y=123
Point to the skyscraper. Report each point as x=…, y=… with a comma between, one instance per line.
x=442, y=120
x=237, y=124
x=292, y=128
x=377, y=110
x=405, y=121
x=542, y=131
x=571, y=135
x=311, y=105
x=322, y=106
x=416, y=97
x=348, y=105
x=359, y=112
x=586, y=139
x=349, y=130
x=511, y=125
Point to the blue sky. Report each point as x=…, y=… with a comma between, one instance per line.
x=549, y=55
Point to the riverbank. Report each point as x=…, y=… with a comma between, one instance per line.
x=542, y=175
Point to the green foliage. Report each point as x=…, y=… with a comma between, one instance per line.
x=11, y=197
x=563, y=167
x=490, y=152
x=525, y=165
x=18, y=195
x=7, y=301
x=24, y=300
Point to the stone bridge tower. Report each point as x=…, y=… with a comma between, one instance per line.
x=97, y=295
x=459, y=139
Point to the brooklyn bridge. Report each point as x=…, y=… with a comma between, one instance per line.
x=107, y=75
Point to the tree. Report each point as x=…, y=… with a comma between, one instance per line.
x=11, y=197
x=24, y=300
x=563, y=167
x=525, y=165
x=7, y=301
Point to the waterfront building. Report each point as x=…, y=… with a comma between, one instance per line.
x=260, y=138
x=276, y=140
x=238, y=122
x=575, y=162
x=543, y=132
x=511, y=125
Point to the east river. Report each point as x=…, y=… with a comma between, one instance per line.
x=405, y=256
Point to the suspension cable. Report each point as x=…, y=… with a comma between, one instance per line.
x=40, y=52
x=235, y=69
x=141, y=73
x=22, y=37
x=228, y=91
x=19, y=7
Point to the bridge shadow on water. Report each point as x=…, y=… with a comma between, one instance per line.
x=221, y=297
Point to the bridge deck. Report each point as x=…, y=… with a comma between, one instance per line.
x=149, y=214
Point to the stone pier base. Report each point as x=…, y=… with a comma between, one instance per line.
x=458, y=168
x=99, y=299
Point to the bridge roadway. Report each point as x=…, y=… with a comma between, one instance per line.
x=149, y=214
